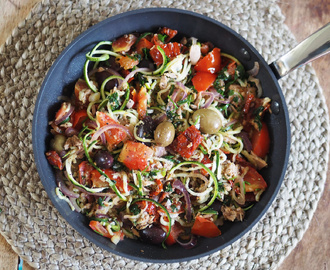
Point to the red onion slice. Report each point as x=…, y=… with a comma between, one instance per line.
x=70, y=131
x=131, y=74
x=255, y=70
x=175, y=97
x=66, y=110
x=246, y=141
x=112, y=72
x=225, y=101
x=64, y=188
x=75, y=205
x=215, y=92
x=209, y=100
x=103, y=139
x=240, y=199
x=91, y=124
x=180, y=186
x=190, y=244
x=160, y=118
x=98, y=133
x=102, y=216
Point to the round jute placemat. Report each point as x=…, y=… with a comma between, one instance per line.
x=33, y=226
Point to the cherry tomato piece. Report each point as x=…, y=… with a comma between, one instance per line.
x=54, y=159
x=135, y=155
x=187, y=142
x=210, y=63
x=254, y=181
x=85, y=170
x=171, y=50
x=143, y=44
x=98, y=228
x=142, y=102
x=261, y=141
x=203, y=80
x=124, y=43
x=78, y=119
x=205, y=227
x=113, y=136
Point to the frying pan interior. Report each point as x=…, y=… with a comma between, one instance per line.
x=68, y=68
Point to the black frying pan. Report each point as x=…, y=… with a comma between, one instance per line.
x=68, y=68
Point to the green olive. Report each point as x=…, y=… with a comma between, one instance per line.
x=210, y=121
x=58, y=143
x=164, y=133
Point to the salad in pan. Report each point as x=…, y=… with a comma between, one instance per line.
x=162, y=139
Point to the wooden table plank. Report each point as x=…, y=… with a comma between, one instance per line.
x=303, y=18
x=313, y=252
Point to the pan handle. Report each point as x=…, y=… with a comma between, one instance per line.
x=314, y=46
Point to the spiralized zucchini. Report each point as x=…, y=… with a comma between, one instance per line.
x=156, y=150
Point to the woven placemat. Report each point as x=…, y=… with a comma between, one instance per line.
x=33, y=226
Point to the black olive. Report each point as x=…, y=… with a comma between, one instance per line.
x=102, y=76
x=146, y=63
x=216, y=205
x=146, y=129
x=153, y=235
x=111, y=63
x=103, y=159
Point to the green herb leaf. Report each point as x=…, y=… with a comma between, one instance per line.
x=100, y=201
x=187, y=100
x=240, y=71
x=113, y=99
x=171, y=115
x=162, y=37
x=224, y=108
x=142, y=80
x=135, y=209
x=221, y=187
x=168, y=188
x=174, y=208
x=257, y=119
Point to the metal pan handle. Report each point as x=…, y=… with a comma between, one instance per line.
x=314, y=46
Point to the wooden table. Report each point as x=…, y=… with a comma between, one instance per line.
x=303, y=18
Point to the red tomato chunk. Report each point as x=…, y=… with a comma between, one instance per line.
x=135, y=155
x=187, y=142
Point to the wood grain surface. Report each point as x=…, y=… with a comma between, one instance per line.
x=303, y=17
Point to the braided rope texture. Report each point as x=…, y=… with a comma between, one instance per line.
x=33, y=226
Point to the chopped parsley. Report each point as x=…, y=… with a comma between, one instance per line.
x=174, y=208
x=257, y=119
x=162, y=37
x=187, y=100
x=221, y=187
x=171, y=115
x=100, y=201
x=113, y=99
x=168, y=188
x=135, y=209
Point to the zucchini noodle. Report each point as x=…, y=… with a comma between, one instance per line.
x=147, y=144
